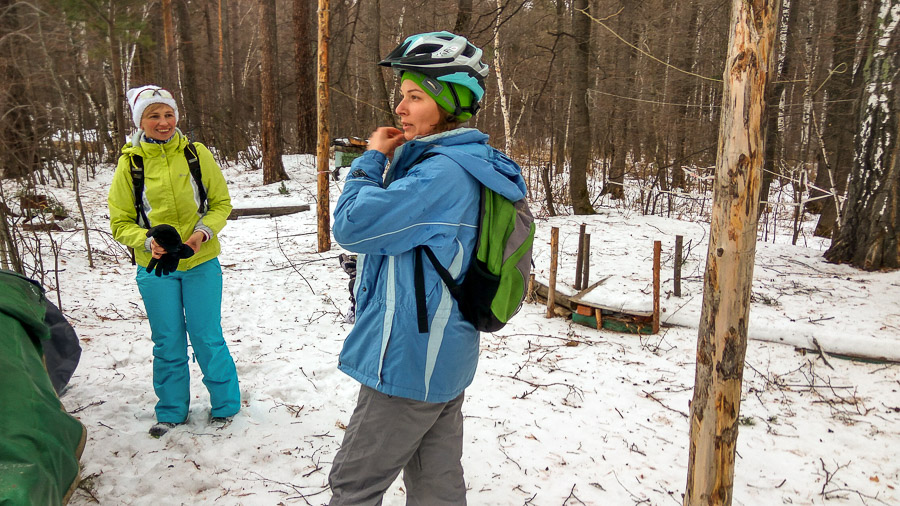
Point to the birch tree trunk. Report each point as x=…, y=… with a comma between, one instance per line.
x=722, y=339
x=273, y=168
x=837, y=160
x=498, y=71
x=789, y=10
x=868, y=235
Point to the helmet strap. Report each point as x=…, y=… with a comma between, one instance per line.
x=458, y=105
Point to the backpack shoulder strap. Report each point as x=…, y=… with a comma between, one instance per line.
x=137, y=181
x=419, y=284
x=193, y=160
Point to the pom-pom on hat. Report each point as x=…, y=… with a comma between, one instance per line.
x=139, y=98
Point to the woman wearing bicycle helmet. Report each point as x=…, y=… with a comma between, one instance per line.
x=415, y=358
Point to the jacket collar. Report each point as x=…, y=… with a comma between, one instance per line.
x=138, y=146
x=407, y=154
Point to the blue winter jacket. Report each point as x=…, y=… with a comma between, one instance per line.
x=430, y=201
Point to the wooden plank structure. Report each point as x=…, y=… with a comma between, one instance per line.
x=346, y=149
x=599, y=316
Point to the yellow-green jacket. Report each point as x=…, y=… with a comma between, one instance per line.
x=170, y=197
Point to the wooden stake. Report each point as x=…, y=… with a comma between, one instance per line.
x=657, y=253
x=586, y=269
x=323, y=209
x=679, y=240
x=554, y=262
x=579, y=259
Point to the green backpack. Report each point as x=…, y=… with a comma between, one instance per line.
x=497, y=280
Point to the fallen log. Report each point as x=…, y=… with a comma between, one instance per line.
x=238, y=212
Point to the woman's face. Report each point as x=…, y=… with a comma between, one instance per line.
x=158, y=122
x=418, y=112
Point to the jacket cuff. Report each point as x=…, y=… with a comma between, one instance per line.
x=369, y=166
x=147, y=243
x=207, y=232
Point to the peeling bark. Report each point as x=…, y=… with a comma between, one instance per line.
x=722, y=339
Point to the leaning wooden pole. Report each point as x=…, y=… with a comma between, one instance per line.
x=722, y=339
x=323, y=208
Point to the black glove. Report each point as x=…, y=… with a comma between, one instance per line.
x=166, y=264
x=168, y=238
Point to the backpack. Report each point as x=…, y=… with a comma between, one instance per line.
x=137, y=180
x=496, y=283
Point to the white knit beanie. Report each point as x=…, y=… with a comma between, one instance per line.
x=139, y=102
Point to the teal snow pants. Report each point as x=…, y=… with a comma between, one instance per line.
x=180, y=304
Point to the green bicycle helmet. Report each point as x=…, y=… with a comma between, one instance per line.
x=443, y=57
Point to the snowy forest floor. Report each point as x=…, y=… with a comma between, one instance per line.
x=558, y=414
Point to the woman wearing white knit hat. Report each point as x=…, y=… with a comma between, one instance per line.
x=168, y=201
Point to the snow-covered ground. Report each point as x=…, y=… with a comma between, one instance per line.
x=558, y=413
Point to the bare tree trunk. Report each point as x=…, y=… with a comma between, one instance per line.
x=463, y=17
x=382, y=107
x=235, y=88
x=17, y=138
x=118, y=84
x=305, y=66
x=621, y=111
x=273, y=168
x=76, y=181
x=559, y=120
x=836, y=163
x=774, y=100
x=193, y=105
x=169, y=66
x=869, y=235
x=501, y=91
x=722, y=339
x=581, y=121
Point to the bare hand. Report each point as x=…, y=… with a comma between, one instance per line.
x=195, y=240
x=386, y=140
x=156, y=250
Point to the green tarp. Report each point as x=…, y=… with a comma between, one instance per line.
x=40, y=444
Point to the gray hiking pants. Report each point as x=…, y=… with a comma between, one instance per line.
x=387, y=434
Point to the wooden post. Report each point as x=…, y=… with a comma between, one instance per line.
x=323, y=207
x=586, y=258
x=679, y=241
x=657, y=253
x=722, y=336
x=551, y=285
x=579, y=258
